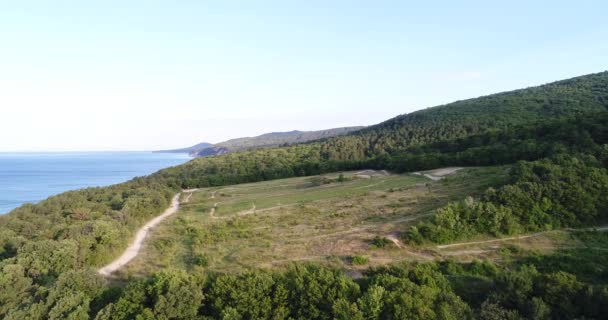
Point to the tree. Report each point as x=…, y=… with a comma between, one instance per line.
x=372, y=302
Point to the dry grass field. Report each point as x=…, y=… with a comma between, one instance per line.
x=326, y=219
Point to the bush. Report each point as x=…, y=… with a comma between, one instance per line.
x=359, y=260
x=563, y=191
x=380, y=242
x=200, y=260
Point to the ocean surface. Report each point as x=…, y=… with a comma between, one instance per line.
x=32, y=176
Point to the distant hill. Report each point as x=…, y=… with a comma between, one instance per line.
x=276, y=139
x=267, y=140
x=210, y=151
x=192, y=149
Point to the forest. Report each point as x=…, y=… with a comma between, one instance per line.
x=558, y=192
x=433, y=290
x=555, y=135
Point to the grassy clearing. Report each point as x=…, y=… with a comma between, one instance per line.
x=583, y=253
x=268, y=224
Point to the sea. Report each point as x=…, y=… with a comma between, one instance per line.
x=29, y=177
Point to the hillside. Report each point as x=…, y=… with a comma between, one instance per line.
x=267, y=140
x=462, y=118
x=459, y=119
x=275, y=139
x=558, y=100
x=553, y=138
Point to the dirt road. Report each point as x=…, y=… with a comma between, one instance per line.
x=135, y=247
x=438, y=174
x=526, y=236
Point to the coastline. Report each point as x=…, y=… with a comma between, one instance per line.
x=32, y=177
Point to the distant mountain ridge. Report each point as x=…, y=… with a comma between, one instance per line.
x=194, y=148
x=267, y=140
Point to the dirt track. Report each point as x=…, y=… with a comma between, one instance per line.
x=445, y=246
x=135, y=247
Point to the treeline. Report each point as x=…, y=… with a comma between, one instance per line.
x=446, y=290
x=562, y=191
x=580, y=134
x=584, y=133
x=300, y=292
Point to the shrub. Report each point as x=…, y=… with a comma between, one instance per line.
x=200, y=260
x=359, y=260
x=380, y=242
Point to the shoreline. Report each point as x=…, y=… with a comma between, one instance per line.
x=31, y=178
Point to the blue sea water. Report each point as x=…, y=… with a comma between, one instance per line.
x=34, y=176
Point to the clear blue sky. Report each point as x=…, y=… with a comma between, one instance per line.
x=133, y=75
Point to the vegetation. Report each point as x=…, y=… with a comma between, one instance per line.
x=581, y=134
x=276, y=139
x=79, y=228
x=380, y=242
x=300, y=292
x=568, y=189
x=359, y=260
x=568, y=284
x=268, y=140
x=48, y=250
x=379, y=146
x=268, y=224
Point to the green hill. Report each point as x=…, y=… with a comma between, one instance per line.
x=559, y=100
x=276, y=139
x=454, y=120
x=462, y=118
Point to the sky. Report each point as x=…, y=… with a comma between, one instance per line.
x=147, y=75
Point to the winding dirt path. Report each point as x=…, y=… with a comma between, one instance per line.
x=445, y=246
x=135, y=247
x=247, y=212
x=394, y=237
x=212, y=212
x=189, y=192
